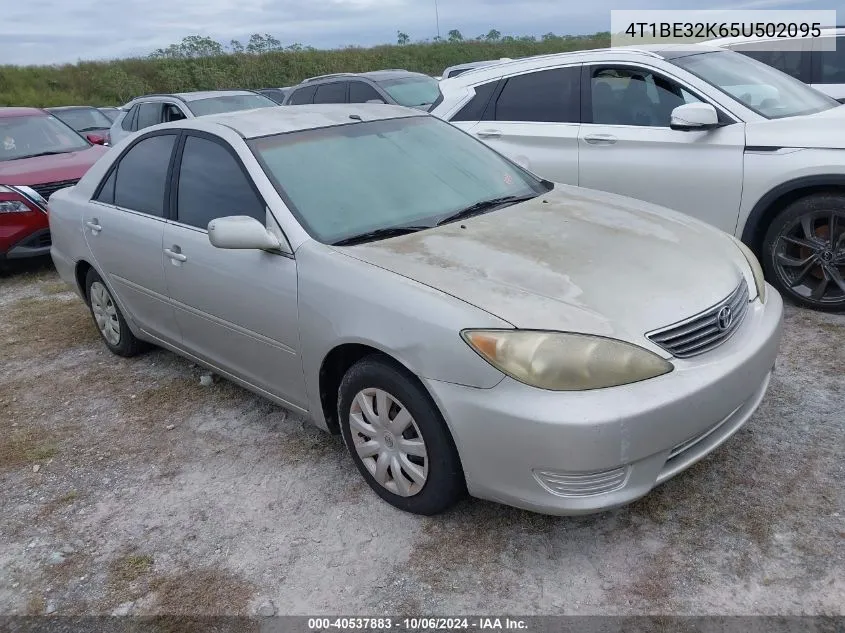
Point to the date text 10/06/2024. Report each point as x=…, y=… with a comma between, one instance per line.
x=416, y=624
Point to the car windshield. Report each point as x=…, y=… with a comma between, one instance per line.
x=766, y=90
x=83, y=119
x=413, y=91
x=348, y=180
x=229, y=103
x=25, y=136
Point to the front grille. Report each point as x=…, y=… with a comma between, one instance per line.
x=49, y=188
x=707, y=330
x=582, y=484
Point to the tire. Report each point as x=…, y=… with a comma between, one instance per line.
x=803, y=252
x=108, y=319
x=443, y=479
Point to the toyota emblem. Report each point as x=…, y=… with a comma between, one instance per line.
x=724, y=318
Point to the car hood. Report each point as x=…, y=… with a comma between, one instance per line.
x=55, y=168
x=823, y=130
x=573, y=260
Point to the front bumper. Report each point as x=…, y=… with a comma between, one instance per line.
x=582, y=452
x=36, y=244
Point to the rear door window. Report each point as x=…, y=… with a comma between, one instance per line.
x=129, y=120
x=149, y=114
x=334, y=92
x=474, y=110
x=551, y=96
x=302, y=96
x=142, y=175
x=360, y=92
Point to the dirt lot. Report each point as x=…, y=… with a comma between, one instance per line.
x=127, y=487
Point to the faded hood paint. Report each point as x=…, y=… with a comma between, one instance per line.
x=573, y=260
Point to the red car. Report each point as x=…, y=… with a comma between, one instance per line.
x=38, y=155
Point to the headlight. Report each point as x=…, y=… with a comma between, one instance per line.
x=756, y=269
x=565, y=362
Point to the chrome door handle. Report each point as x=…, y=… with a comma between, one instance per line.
x=179, y=257
x=94, y=225
x=489, y=134
x=600, y=139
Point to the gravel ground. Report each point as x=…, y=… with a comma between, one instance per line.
x=128, y=487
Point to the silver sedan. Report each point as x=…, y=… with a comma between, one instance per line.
x=464, y=324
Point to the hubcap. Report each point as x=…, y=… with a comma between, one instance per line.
x=388, y=441
x=809, y=257
x=105, y=313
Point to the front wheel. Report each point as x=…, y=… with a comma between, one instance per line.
x=804, y=252
x=398, y=439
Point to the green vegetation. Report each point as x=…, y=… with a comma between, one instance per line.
x=199, y=63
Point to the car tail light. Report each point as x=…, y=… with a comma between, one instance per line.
x=16, y=199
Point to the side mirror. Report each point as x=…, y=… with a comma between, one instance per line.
x=241, y=232
x=96, y=139
x=375, y=101
x=694, y=116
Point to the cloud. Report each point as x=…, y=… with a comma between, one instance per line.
x=57, y=31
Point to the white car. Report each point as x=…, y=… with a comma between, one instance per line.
x=149, y=110
x=819, y=62
x=709, y=132
x=460, y=69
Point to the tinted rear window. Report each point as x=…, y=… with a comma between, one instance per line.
x=549, y=96
x=302, y=96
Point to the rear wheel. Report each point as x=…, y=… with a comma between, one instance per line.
x=804, y=252
x=398, y=439
x=108, y=318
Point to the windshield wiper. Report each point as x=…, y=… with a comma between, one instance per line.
x=49, y=153
x=93, y=127
x=379, y=234
x=485, y=205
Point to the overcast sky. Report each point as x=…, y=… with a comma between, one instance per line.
x=56, y=31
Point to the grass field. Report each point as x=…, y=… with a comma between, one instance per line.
x=115, y=82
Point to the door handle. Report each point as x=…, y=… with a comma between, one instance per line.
x=489, y=134
x=600, y=139
x=94, y=225
x=175, y=256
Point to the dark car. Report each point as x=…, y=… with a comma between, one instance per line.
x=88, y=121
x=397, y=87
x=276, y=94
x=39, y=154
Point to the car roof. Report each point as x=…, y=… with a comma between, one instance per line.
x=619, y=53
x=16, y=111
x=484, y=62
x=373, y=75
x=193, y=96
x=76, y=107
x=268, y=121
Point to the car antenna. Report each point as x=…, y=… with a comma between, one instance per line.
x=357, y=117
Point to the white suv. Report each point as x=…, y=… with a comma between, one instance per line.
x=819, y=62
x=706, y=131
